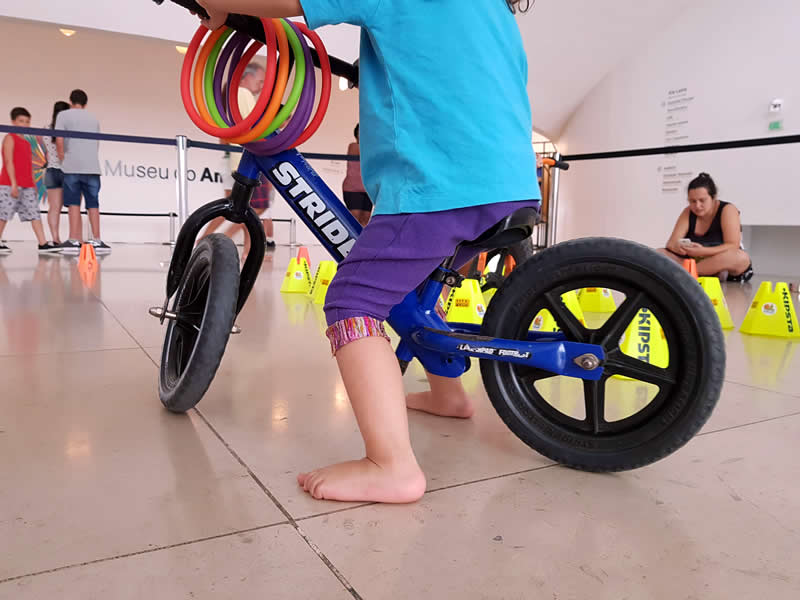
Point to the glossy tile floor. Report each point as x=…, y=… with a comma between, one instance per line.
x=103, y=494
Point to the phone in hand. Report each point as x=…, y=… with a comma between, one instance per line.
x=685, y=242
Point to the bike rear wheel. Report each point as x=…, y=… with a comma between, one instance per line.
x=205, y=310
x=638, y=412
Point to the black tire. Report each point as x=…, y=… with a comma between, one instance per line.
x=688, y=389
x=206, y=305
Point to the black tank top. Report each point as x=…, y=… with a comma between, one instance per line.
x=712, y=237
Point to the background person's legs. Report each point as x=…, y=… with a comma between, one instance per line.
x=672, y=255
x=55, y=199
x=94, y=222
x=91, y=197
x=28, y=211
x=38, y=231
x=72, y=200
x=734, y=261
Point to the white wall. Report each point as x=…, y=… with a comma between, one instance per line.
x=145, y=18
x=133, y=88
x=723, y=61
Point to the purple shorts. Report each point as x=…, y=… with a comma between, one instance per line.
x=396, y=253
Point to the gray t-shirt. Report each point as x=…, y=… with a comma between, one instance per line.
x=80, y=156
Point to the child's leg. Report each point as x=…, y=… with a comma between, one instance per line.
x=28, y=210
x=38, y=231
x=393, y=256
x=389, y=472
x=446, y=398
x=2, y=227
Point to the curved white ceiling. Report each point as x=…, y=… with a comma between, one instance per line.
x=572, y=44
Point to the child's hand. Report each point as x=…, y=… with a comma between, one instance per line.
x=14, y=191
x=216, y=16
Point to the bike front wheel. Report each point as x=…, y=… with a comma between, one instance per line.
x=657, y=390
x=203, y=315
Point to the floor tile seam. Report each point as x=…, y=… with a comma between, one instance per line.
x=119, y=322
x=58, y=352
x=141, y=552
x=284, y=511
x=762, y=389
x=750, y=424
x=432, y=491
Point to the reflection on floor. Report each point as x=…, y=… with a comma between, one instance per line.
x=105, y=495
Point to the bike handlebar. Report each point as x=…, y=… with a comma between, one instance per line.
x=558, y=164
x=252, y=26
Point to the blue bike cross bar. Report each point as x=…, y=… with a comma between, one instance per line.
x=308, y=195
x=557, y=357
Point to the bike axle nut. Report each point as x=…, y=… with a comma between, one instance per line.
x=589, y=362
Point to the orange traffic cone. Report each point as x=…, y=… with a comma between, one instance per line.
x=87, y=258
x=302, y=253
x=690, y=265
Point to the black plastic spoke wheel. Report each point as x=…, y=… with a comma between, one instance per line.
x=682, y=392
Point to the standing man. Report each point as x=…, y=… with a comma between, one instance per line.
x=81, y=167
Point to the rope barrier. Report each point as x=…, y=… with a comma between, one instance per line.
x=136, y=139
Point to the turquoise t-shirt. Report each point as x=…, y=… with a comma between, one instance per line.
x=445, y=116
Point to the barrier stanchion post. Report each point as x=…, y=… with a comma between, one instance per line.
x=293, y=233
x=182, y=144
x=552, y=217
x=172, y=229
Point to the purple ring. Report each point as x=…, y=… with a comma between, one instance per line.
x=282, y=140
x=237, y=42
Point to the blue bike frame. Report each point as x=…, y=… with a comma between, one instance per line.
x=442, y=348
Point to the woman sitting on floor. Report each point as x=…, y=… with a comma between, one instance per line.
x=710, y=231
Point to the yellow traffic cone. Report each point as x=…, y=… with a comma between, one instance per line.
x=466, y=304
x=322, y=280
x=544, y=321
x=772, y=313
x=644, y=340
x=573, y=304
x=597, y=300
x=714, y=291
x=297, y=279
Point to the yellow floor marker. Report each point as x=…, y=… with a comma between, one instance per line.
x=466, y=304
x=298, y=278
x=544, y=320
x=597, y=300
x=772, y=313
x=322, y=280
x=644, y=340
x=713, y=289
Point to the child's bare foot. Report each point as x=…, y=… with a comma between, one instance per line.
x=456, y=403
x=365, y=481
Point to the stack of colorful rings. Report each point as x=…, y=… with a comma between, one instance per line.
x=275, y=124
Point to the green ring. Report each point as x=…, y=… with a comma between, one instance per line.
x=208, y=80
x=299, y=81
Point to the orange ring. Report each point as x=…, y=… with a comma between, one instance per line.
x=202, y=59
x=281, y=80
x=263, y=99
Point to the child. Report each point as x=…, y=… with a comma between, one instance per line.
x=17, y=189
x=446, y=153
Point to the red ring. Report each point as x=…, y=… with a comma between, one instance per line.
x=263, y=99
x=325, y=94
